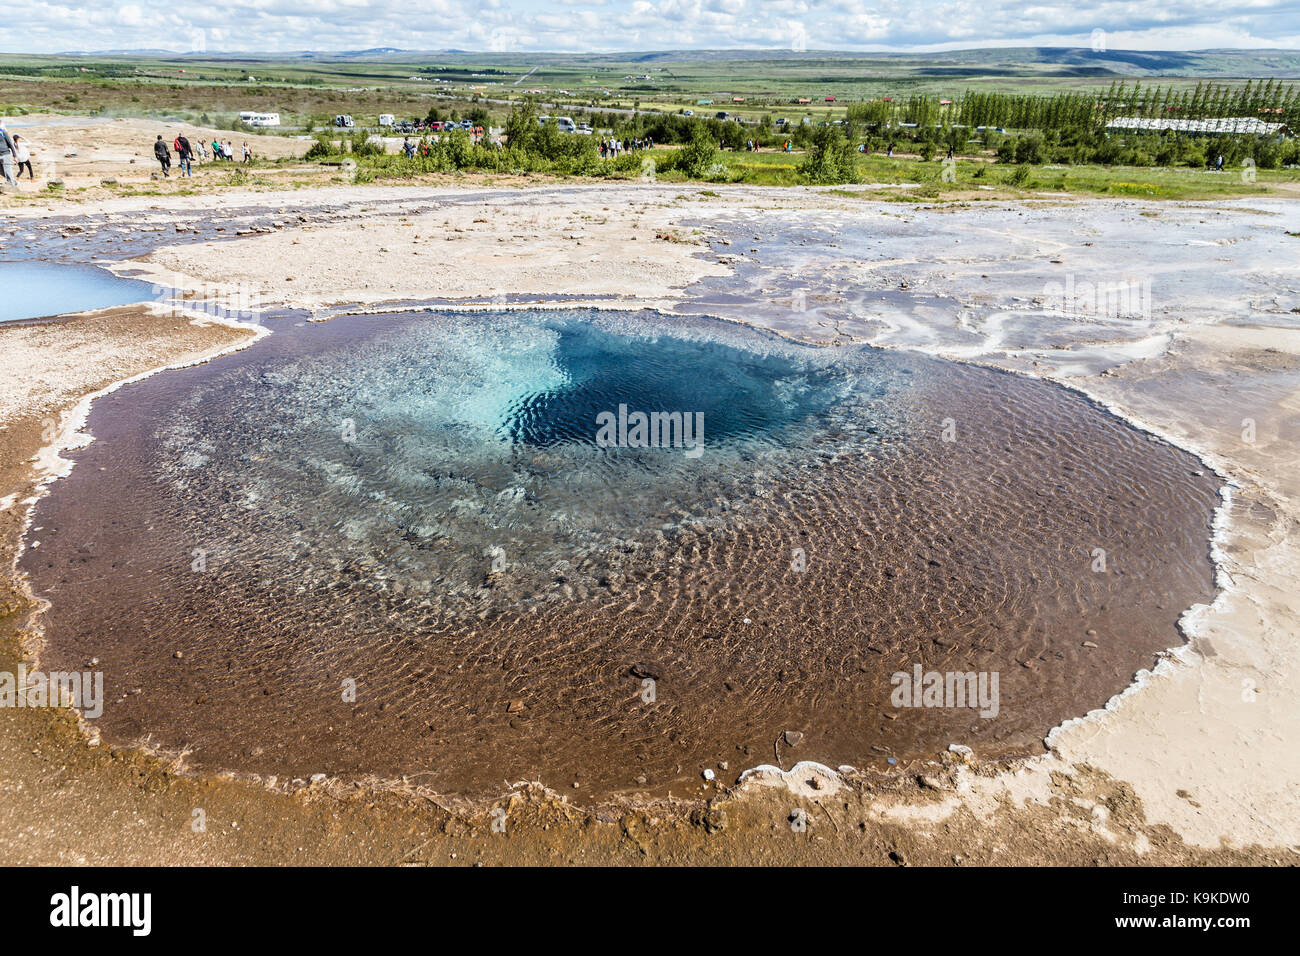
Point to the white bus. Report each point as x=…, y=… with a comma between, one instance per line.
x=259, y=119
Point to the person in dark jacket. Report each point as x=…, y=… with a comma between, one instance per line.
x=184, y=154
x=163, y=156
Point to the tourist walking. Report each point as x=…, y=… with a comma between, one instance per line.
x=184, y=154
x=22, y=159
x=248, y=154
x=163, y=156
x=7, y=155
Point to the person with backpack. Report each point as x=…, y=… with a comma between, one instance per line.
x=163, y=156
x=184, y=154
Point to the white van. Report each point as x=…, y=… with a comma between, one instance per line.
x=386, y=119
x=565, y=125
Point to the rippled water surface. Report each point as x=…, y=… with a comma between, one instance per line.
x=421, y=506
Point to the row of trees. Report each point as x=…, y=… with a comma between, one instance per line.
x=1268, y=100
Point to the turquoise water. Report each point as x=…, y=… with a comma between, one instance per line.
x=460, y=434
x=36, y=289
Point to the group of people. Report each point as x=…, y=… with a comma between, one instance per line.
x=14, y=153
x=609, y=148
x=186, y=154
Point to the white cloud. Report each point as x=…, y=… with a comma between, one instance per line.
x=50, y=26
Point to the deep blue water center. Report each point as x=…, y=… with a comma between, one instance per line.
x=734, y=392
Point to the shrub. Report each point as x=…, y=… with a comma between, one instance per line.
x=697, y=157
x=319, y=150
x=1029, y=149
x=830, y=161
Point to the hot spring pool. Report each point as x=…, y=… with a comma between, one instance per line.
x=423, y=508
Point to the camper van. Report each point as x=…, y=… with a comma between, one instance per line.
x=386, y=119
x=253, y=118
x=563, y=123
x=344, y=121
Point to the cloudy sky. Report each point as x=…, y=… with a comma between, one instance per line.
x=51, y=26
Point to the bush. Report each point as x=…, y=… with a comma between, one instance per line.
x=319, y=150
x=697, y=157
x=1029, y=149
x=830, y=161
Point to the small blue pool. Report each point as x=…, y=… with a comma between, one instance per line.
x=37, y=289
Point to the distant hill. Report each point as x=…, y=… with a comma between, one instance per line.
x=1029, y=62
x=1021, y=61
